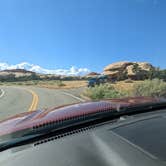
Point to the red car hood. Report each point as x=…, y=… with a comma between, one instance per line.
x=36, y=118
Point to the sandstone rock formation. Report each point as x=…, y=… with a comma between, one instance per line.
x=16, y=72
x=92, y=74
x=125, y=70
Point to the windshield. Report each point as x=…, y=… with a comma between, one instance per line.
x=56, y=53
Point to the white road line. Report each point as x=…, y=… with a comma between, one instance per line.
x=2, y=93
x=75, y=97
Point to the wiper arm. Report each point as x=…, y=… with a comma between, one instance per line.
x=142, y=108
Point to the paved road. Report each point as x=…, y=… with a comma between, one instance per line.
x=15, y=100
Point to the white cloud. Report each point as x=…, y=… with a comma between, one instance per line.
x=73, y=71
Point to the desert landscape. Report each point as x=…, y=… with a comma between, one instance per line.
x=122, y=77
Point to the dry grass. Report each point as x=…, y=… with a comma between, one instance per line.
x=53, y=84
x=121, y=85
x=66, y=84
x=125, y=87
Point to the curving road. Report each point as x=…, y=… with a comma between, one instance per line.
x=14, y=100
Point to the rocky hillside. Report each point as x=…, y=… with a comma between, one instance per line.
x=16, y=72
x=128, y=70
x=25, y=75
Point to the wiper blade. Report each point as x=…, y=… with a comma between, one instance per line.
x=141, y=108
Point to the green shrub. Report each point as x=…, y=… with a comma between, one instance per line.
x=104, y=91
x=18, y=83
x=154, y=88
x=60, y=83
x=35, y=82
x=28, y=83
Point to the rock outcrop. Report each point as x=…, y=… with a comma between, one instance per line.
x=16, y=72
x=92, y=74
x=126, y=70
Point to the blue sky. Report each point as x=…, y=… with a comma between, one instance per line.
x=83, y=33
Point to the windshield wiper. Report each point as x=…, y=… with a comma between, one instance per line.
x=54, y=128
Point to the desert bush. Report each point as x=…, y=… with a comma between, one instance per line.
x=35, y=82
x=154, y=88
x=28, y=83
x=17, y=83
x=128, y=81
x=60, y=83
x=104, y=91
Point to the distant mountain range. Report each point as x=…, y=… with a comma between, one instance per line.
x=73, y=71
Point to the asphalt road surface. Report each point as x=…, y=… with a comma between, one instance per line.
x=14, y=100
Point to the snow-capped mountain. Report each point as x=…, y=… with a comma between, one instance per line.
x=73, y=71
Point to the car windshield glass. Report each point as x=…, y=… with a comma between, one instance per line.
x=56, y=55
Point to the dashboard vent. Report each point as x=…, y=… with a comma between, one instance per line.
x=73, y=132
